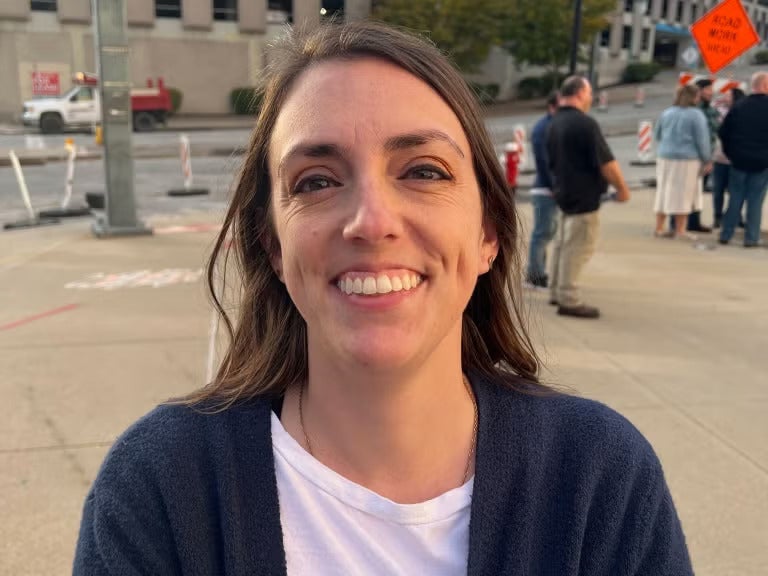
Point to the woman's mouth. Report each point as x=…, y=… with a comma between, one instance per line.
x=369, y=284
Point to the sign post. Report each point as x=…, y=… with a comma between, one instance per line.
x=723, y=34
x=111, y=45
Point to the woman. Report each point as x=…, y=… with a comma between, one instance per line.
x=684, y=153
x=378, y=410
x=722, y=166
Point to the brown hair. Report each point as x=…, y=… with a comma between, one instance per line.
x=686, y=96
x=268, y=349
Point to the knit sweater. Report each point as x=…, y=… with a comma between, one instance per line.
x=563, y=486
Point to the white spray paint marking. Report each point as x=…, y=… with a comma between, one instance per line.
x=137, y=279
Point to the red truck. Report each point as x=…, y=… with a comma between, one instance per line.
x=81, y=106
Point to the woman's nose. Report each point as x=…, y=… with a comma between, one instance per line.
x=375, y=214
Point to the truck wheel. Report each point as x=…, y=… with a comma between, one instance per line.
x=51, y=123
x=144, y=122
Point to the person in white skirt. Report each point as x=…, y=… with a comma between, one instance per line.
x=684, y=156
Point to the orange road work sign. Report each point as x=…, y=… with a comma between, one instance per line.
x=723, y=34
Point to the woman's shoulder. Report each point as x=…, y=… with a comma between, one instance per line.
x=569, y=424
x=176, y=436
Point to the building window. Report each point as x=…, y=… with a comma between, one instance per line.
x=626, y=38
x=225, y=10
x=679, y=14
x=168, y=8
x=605, y=38
x=646, y=41
x=664, y=9
x=629, y=5
x=694, y=12
x=43, y=5
x=331, y=8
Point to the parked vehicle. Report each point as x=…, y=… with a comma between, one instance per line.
x=80, y=107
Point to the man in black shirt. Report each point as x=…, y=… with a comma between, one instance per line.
x=744, y=134
x=582, y=166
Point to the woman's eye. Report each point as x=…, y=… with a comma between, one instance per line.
x=313, y=184
x=427, y=173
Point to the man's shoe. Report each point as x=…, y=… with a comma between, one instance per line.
x=751, y=244
x=553, y=302
x=580, y=311
x=538, y=283
x=723, y=241
x=702, y=229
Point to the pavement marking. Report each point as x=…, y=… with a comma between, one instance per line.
x=28, y=319
x=138, y=278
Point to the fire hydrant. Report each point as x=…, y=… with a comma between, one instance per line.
x=512, y=156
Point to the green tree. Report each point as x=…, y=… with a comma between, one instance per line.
x=538, y=32
x=464, y=29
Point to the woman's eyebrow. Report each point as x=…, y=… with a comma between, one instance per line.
x=309, y=150
x=419, y=138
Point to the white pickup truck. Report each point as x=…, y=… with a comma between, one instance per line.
x=80, y=107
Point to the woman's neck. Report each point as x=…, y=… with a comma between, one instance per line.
x=406, y=436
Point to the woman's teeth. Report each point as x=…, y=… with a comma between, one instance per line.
x=381, y=284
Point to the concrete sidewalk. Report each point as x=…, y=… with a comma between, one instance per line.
x=93, y=333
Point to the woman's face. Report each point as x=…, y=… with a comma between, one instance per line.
x=378, y=215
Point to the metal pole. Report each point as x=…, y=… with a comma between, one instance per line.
x=575, y=36
x=111, y=44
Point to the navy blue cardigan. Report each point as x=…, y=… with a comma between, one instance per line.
x=563, y=486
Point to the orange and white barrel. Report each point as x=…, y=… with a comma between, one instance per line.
x=602, y=101
x=186, y=160
x=645, y=141
x=521, y=139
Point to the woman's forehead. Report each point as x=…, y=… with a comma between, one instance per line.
x=360, y=100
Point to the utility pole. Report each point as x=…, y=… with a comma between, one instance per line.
x=576, y=33
x=111, y=47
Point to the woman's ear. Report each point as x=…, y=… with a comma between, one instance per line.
x=489, y=246
x=271, y=246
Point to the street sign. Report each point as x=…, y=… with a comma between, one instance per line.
x=723, y=34
x=690, y=56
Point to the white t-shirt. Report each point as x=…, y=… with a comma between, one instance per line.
x=333, y=526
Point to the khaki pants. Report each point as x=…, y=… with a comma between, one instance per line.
x=575, y=243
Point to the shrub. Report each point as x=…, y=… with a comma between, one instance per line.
x=551, y=81
x=486, y=93
x=244, y=101
x=761, y=57
x=529, y=88
x=539, y=86
x=177, y=97
x=640, y=72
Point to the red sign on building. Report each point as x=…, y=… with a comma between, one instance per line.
x=45, y=84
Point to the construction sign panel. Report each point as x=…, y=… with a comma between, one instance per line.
x=723, y=34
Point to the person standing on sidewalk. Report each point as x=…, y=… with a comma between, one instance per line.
x=582, y=165
x=722, y=166
x=684, y=155
x=544, y=205
x=744, y=135
x=713, y=122
x=378, y=409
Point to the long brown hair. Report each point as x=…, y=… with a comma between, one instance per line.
x=268, y=343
